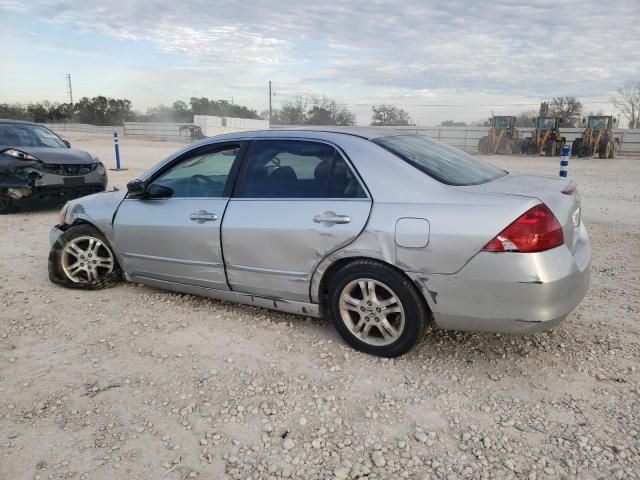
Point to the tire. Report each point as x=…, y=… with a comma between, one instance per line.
x=505, y=147
x=97, y=257
x=483, y=145
x=585, y=151
x=605, y=149
x=408, y=313
x=550, y=148
x=575, y=147
x=533, y=149
x=6, y=204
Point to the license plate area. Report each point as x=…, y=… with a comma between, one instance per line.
x=73, y=180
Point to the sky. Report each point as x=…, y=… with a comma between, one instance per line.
x=439, y=60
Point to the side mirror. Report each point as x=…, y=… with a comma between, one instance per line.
x=66, y=142
x=136, y=188
x=158, y=191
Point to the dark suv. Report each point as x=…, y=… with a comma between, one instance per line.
x=38, y=167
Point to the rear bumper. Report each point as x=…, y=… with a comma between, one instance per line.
x=510, y=292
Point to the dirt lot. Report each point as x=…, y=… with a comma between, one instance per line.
x=184, y=387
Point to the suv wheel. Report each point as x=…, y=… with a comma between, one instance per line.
x=376, y=309
x=6, y=204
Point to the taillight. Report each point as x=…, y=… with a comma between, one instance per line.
x=534, y=231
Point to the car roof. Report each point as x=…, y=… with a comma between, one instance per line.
x=22, y=122
x=328, y=132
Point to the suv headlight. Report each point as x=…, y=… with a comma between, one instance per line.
x=100, y=169
x=12, y=152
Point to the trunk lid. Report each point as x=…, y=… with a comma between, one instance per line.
x=566, y=207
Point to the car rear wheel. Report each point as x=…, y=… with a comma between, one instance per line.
x=376, y=309
x=82, y=258
x=6, y=204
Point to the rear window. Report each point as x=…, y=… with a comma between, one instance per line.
x=446, y=164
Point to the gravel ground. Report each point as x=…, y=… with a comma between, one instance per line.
x=133, y=382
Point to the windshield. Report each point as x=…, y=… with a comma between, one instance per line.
x=446, y=164
x=546, y=123
x=598, y=123
x=25, y=135
x=501, y=122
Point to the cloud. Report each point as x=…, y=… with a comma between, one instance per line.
x=532, y=49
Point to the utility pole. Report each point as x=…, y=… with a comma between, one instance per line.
x=270, y=109
x=70, y=92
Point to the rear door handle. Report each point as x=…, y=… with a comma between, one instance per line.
x=331, y=217
x=203, y=216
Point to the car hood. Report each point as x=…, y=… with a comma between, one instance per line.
x=69, y=156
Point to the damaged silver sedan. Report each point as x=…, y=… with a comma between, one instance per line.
x=39, y=168
x=379, y=230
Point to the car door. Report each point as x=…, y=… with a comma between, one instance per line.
x=296, y=201
x=172, y=233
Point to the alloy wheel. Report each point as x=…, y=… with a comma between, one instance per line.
x=86, y=259
x=372, y=312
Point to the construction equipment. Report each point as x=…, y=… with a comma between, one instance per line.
x=597, y=137
x=545, y=139
x=503, y=137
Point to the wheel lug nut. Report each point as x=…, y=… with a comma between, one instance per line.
x=369, y=303
x=362, y=308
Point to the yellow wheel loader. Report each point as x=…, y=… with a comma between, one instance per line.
x=598, y=137
x=503, y=137
x=545, y=139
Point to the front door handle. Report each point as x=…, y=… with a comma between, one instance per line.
x=331, y=217
x=203, y=216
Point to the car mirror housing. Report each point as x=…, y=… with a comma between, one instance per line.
x=67, y=143
x=136, y=188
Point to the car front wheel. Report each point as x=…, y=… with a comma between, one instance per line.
x=376, y=309
x=82, y=258
x=6, y=204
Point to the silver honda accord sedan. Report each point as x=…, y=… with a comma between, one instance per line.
x=380, y=230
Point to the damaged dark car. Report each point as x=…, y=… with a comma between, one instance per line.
x=39, y=168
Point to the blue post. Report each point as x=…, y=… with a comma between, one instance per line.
x=564, y=160
x=117, y=152
x=117, y=147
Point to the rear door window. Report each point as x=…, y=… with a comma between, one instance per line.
x=298, y=169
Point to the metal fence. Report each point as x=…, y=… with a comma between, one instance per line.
x=464, y=138
x=84, y=127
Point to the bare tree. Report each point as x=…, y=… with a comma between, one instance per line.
x=567, y=108
x=628, y=103
x=313, y=110
x=389, y=115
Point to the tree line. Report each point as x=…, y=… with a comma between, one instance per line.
x=301, y=110
x=103, y=110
